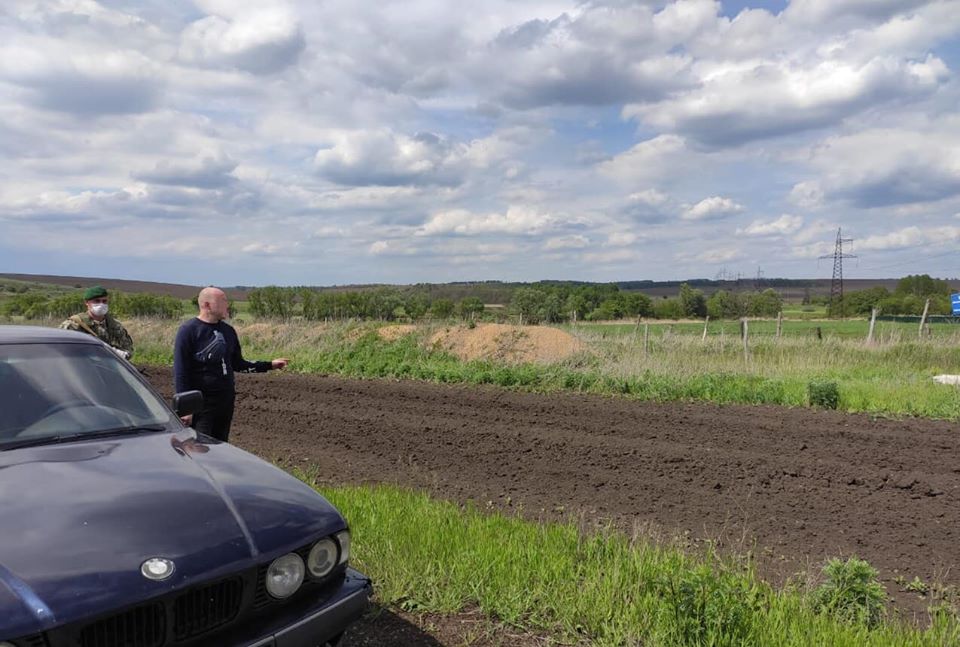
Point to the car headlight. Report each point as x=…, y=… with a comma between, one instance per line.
x=285, y=575
x=343, y=537
x=322, y=557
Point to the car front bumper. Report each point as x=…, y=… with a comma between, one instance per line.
x=325, y=622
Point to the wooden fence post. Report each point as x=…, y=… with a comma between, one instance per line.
x=873, y=322
x=745, y=333
x=779, y=324
x=636, y=330
x=923, y=319
x=646, y=337
x=706, y=322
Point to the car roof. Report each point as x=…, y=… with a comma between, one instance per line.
x=42, y=335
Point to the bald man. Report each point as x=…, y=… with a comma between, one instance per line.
x=206, y=354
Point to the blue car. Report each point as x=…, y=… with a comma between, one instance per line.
x=120, y=527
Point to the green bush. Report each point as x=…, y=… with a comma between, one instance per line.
x=710, y=605
x=851, y=592
x=824, y=394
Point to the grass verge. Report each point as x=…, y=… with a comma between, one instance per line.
x=599, y=589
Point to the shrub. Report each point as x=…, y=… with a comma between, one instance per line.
x=707, y=605
x=824, y=394
x=851, y=592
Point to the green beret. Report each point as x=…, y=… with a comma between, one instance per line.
x=94, y=293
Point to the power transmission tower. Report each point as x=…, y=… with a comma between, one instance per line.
x=836, y=285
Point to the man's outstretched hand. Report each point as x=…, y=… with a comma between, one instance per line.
x=280, y=363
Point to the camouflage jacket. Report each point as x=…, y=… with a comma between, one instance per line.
x=109, y=330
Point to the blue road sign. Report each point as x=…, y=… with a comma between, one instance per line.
x=955, y=302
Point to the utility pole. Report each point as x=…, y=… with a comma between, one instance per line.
x=836, y=285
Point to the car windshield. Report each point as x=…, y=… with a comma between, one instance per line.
x=50, y=392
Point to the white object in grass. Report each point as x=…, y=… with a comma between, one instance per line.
x=947, y=379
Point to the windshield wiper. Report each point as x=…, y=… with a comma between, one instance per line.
x=66, y=438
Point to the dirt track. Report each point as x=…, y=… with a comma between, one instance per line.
x=803, y=484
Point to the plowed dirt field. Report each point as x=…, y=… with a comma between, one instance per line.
x=800, y=485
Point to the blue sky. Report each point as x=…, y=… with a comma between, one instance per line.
x=295, y=142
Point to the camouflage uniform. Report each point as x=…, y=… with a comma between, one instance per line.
x=110, y=331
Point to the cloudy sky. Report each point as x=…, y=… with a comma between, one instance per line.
x=346, y=141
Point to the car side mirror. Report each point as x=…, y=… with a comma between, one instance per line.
x=187, y=403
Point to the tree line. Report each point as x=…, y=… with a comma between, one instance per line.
x=38, y=305
x=908, y=298
x=546, y=302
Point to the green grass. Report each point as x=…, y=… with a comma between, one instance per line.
x=852, y=329
x=601, y=588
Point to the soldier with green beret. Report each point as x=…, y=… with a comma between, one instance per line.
x=95, y=321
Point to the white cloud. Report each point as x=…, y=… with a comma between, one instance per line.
x=386, y=158
x=712, y=208
x=910, y=237
x=739, y=103
x=516, y=221
x=567, y=242
x=785, y=224
x=621, y=239
x=712, y=256
x=260, y=40
x=887, y=166
x=206, y=173
x=647, y=161
x=104, y=81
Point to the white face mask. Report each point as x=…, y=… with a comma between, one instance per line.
x=99, y=309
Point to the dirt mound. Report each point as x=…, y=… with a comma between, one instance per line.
x=508, y=343
x=393, y=333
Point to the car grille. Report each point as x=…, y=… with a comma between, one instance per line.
x=142, y=626
x=195, y=617
x=195, y=613
x=204, y=609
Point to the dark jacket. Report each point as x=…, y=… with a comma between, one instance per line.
x=206, y=356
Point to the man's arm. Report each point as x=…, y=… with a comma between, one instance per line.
x=240, y=365
x=124, y=341
x=182, y=353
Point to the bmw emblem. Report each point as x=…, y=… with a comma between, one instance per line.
x=157, y=568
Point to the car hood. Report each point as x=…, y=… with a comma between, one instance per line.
x=79, y=520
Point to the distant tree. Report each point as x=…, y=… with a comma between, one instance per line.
x=862, y=302
x=764, y=304
x=528, y=303
x=668, y=309
x=692, y=301
x=442, y=308
x=470, y=307
x=921, y=285
x=726, y=305
x=637, y=304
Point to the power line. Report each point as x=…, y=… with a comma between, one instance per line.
x=836, y=284
x=911, y=261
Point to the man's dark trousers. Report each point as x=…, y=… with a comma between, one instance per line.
x=215, y=417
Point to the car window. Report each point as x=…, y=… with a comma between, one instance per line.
x=69, y=389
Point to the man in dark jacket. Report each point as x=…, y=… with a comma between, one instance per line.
x=206, y=354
